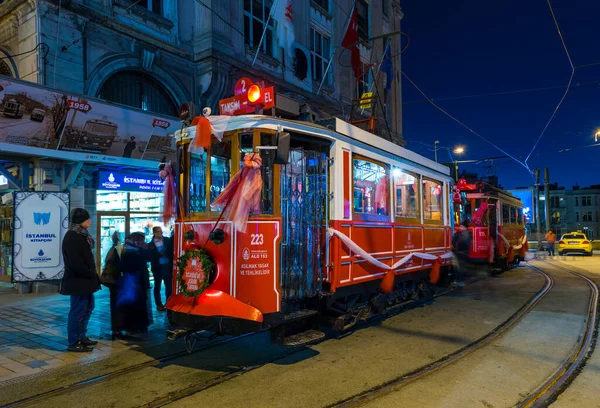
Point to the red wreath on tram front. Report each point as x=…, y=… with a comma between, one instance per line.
x=195, y=268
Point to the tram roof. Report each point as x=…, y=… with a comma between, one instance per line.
x=336, y=129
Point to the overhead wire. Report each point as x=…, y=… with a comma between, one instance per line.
x=29, y=52
x=566, y=90
x=461, y=123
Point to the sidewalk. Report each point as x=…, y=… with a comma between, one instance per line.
x=33, y=334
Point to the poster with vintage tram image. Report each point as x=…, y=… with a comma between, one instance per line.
x=36, y=116
x=41, y=220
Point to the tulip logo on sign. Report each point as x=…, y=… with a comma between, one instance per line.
x=41, y=218
x=41, y=253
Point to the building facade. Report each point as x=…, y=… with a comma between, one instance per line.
x=157, y=54
x=151, y=56
x=577, y=209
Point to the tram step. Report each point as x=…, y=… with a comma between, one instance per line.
x=300, y=315
x=304, y=338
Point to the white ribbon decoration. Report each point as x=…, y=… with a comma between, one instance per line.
x=522, y=242
x=369, y=258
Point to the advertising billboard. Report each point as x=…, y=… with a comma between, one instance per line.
x=526, y=197
x=40, y=117
x=41, y=220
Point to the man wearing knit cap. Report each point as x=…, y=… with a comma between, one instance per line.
x=80, y=280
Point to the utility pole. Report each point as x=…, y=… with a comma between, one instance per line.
x=435, y=149
x=547, y=196
x=537, y=208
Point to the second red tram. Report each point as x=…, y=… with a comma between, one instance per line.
x=495, y=221
x=350, y=226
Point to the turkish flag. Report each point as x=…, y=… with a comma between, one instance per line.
x=350, y=42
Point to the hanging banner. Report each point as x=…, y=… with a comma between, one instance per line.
x=40, y=117
x=41, y=220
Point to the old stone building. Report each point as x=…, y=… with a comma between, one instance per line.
x=156, y=54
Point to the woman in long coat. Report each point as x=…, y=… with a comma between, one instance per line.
x=134, y=285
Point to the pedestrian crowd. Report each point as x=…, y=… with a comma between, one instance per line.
x=125, y=273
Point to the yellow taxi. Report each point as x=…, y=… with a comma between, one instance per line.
x=575, y=242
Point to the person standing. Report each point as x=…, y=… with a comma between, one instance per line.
x=80, y=280
x=113, y=265
x=550, y=241
x=132, y=288
x=129, y=147
x=162, y=265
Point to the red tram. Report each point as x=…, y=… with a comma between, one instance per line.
x=347, y=226
x=495, y=221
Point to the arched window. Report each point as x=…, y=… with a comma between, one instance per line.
x=5, y=69
x=134, y=88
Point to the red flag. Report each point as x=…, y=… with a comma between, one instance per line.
x=350, y=42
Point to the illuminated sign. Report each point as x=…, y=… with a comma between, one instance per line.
x=247, y=97
x=112, y=180
x=526, y=197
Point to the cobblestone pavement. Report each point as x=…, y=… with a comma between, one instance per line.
x=33, y=334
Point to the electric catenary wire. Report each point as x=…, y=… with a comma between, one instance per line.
x=462, y=124
x=566, y=90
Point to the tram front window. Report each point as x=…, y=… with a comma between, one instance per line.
x=220, y=167
x=197, y=183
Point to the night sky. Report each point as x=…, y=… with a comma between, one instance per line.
x=471, y=47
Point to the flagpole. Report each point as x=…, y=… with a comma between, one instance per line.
x=264, y=31
x=336, y=48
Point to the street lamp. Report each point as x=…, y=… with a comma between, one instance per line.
x=460, y=149
x=597, y=136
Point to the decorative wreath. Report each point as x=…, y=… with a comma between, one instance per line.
x=208, y=269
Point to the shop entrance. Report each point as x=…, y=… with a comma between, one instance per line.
x=125, y=213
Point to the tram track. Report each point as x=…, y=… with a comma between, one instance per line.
x=570, y=368
x=545, y=393
x=390, y=386
x=195, y=388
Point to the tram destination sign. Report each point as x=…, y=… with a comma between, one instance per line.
x=112, y=180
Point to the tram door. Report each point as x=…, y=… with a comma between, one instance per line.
x=303, y=193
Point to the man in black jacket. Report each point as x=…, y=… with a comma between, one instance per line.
x=80, y=280
x=162, y=265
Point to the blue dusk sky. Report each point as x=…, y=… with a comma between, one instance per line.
x=460, y=49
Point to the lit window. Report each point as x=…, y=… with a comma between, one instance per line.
x=198, y=182
x=220, y=167
x=432, y=200
x=256, y=13
x=370, y=190
x=405, y=186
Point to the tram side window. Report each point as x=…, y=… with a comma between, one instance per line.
x=432, y=200
x=405, y=186
x=505, y=214
x=197, y=183
x=513, y=215
x=220, y=167
x=520, y=215
x=370, y=190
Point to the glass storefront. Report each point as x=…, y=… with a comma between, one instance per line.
x=6, y=236
x=125, y=213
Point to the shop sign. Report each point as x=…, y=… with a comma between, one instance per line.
x=43, y=220
x=112, y=180
x=35, y=116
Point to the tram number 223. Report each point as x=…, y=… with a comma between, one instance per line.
x=257, y=239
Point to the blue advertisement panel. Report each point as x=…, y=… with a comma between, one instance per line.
x=41, y=220
x=526, y=197
x=112, y=180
